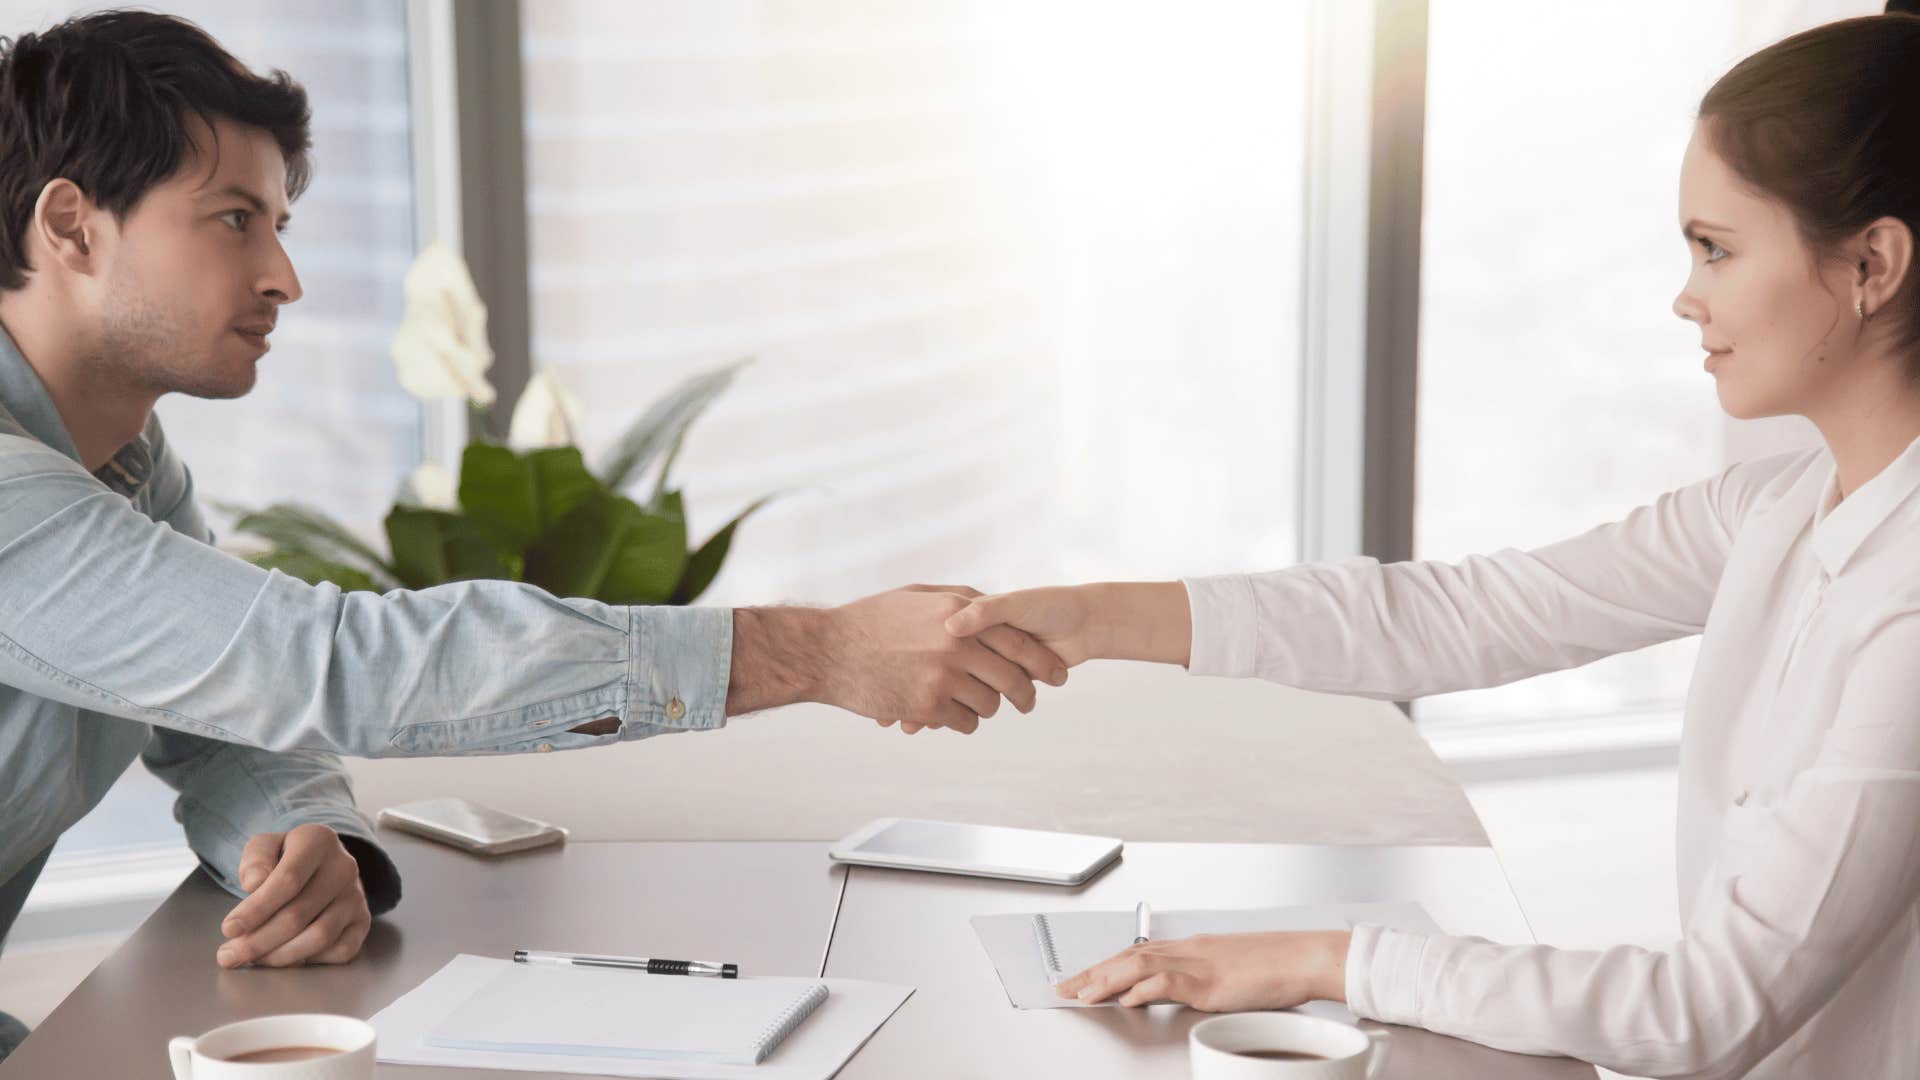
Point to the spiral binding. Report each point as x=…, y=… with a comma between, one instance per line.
x=1049, y=955
x=782, y=1026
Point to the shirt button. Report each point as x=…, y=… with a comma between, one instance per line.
x=1740, y=799
x=545, y=748
x=676, y=709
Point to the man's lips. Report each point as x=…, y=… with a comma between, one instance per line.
x=255, y=334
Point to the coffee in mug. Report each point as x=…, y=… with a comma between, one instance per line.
x=284, y=1053
x=310, y=1046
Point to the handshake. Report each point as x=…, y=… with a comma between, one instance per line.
x=944, y=655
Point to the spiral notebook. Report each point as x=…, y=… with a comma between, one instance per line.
x=590, y=1012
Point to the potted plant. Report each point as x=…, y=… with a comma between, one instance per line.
x=529, y=510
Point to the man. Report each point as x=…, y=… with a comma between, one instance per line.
x=144, y=177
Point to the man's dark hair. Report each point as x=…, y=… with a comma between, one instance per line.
x=104, y=100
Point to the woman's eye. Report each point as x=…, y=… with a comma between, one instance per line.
x=1714, y=251
x=236, y=218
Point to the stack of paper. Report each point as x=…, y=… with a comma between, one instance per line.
x=480, y=1012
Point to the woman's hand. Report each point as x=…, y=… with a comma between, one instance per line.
x=1062, y=619
x=1127, y=621
x=1222, y=972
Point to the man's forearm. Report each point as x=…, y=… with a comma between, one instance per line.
x=781, y=656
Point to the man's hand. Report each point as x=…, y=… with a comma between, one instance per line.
x=1036, y=662
x=888, y=657
x=1222, y=972
x=304, y=905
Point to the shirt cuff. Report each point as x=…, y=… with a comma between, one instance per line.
x=1226, y=632
x=1383, y=974
x=378, y=875
x=678, y=668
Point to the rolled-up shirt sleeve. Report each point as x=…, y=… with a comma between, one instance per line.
x=108, y=610
x=1805, y=889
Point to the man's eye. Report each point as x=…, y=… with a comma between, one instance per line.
x=236, y=218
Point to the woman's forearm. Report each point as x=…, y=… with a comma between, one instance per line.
x=1140, y=620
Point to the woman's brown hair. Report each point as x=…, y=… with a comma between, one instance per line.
x=1828, y=122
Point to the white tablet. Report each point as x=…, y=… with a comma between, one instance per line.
x=951, y=847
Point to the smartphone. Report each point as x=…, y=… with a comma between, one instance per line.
x=468, y=826
x=952, y=847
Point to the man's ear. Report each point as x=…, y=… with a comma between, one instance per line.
x=62, y=224
x=1884, y=262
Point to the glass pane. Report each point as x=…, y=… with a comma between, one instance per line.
x=327, y=423
x=1020, y=307
x=1557, y=389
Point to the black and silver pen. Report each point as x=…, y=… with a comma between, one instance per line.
x=650, y=965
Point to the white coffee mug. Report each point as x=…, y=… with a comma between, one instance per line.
x=1339, y=1051
x=209, y=1057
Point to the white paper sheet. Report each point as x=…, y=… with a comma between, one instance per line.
x=594, y=1012
x=1084, y=938
x=853, y=1011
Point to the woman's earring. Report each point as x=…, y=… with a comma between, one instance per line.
x=1860, y=309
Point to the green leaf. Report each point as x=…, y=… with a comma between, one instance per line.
x=562, y=479
x=431, y=547
x=704, y=565
x=304, y=530
x=610, y=549
x=313, y=570
x=663, y=424
x=516, y=498
x=497, y=492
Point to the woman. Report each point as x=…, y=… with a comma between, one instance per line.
x=1799, y=830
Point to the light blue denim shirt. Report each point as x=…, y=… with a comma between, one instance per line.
x=124, y=633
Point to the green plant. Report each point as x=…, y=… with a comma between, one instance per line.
x=532, y=512
x=539, y=516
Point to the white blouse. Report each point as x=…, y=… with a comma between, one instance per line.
x=1799, y=823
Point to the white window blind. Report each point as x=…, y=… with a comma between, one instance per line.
x=1557, y=389
x=1020, y=280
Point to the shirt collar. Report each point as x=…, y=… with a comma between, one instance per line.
x=1839, y=530
x=26, y=405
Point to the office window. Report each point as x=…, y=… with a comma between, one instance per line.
x=1557, y=389
x=327, y=423
x=1021, y=280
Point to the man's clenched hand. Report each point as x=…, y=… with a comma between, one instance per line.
x=304, y=904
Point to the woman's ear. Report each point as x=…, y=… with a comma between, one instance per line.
x=1883, y=262
x=60, y=225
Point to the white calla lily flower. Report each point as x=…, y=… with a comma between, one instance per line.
x=546, y=415
x=441, y=348
x=433, y=487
